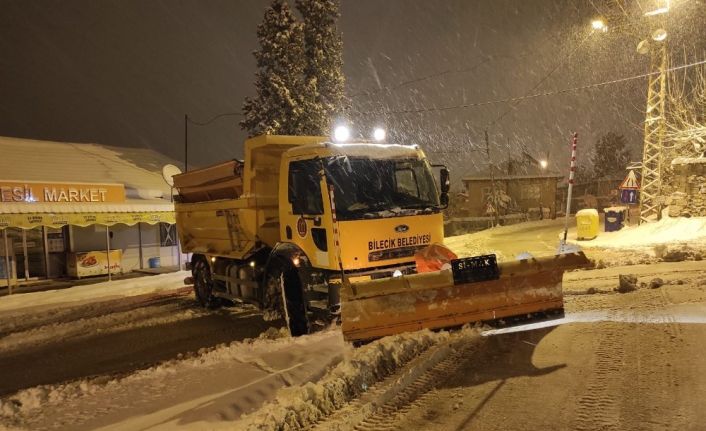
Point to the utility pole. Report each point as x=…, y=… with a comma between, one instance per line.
x=492, y=180
x=652, y=152
x=655, y=122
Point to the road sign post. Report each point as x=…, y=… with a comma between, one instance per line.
x=630, y=190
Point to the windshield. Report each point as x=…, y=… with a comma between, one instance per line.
x=370, y=188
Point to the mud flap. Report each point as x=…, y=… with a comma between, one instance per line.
x=442, y=299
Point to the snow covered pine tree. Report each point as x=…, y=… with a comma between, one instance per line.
x=279, y=105
x=323, y=74
x=610, y=155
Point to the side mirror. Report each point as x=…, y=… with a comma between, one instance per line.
x=445, y=181
x=444, y=200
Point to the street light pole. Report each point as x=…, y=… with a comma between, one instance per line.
x=492, y=180
x=186, y=142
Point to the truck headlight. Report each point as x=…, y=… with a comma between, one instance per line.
x=341, y=133
x=379, y=134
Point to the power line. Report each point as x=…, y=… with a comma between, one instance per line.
x=486, y=59
x=423, y=78
x=542, y=80
x=530, y=96
x=214, y=118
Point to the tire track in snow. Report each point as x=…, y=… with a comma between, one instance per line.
x=392, y=398
x=598, y=407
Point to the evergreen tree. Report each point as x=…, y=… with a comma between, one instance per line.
x=279, y=107
x=610, y=156
x=323, y=74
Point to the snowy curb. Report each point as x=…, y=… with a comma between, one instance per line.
x=95, y=292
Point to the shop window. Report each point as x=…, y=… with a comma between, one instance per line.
x=167, y=235
x=55, y=240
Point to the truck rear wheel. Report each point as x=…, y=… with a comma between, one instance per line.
x=203, y=285
x=284, y=294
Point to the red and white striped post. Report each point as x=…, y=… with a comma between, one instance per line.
x=572, y=172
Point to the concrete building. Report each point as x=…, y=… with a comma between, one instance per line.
x=527, y=187
x=64, y=205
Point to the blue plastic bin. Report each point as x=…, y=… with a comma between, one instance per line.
x=614, y=219
x=153, y=262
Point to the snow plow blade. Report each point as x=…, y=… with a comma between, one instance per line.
x=475, y=289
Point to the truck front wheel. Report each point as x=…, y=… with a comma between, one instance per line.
x=203, y=285
x=285, y=295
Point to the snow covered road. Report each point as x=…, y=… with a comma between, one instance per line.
x=118, y=343
x=617, y=361
x=155, y=361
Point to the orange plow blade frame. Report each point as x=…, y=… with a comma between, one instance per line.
x=377, y=308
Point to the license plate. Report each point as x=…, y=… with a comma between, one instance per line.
x=475, y=269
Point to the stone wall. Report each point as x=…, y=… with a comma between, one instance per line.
x=686, y=190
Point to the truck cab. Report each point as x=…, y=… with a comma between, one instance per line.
x=311, y=214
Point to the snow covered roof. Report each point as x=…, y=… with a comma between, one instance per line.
x=688, y=160
x=139, y=169
x=361, y=149
x=486, y=176
x=526, y=167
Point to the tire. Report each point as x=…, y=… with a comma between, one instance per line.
x=203, y=285
x=284, y=286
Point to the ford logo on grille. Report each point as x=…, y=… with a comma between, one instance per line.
x=401, y=228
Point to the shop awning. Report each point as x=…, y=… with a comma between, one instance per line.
x=33, y=214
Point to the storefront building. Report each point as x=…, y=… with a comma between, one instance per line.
x=78, y=210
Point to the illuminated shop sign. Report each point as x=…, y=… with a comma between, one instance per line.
x=28, y=191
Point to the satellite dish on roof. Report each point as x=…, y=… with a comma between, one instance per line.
x=643, y=47
x=168, y=172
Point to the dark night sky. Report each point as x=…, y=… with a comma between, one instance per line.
x=124, y=72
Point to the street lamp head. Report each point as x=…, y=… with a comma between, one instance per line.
x=643, y=47
x=659, y=35
x=543, y=164
x=599, y=25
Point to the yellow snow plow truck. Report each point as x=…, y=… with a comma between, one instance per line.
x=313, y=230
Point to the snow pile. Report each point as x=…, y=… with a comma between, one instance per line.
x=92, y=292
x=249, y=351
x=666, y=231
x=299, y=407
x=106, y=324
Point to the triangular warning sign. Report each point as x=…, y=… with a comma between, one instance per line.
x=630, y=182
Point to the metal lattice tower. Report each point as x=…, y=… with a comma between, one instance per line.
x=651, y=183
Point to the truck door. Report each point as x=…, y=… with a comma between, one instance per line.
x=305, y=223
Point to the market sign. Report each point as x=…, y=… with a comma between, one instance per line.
x=31, y=191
